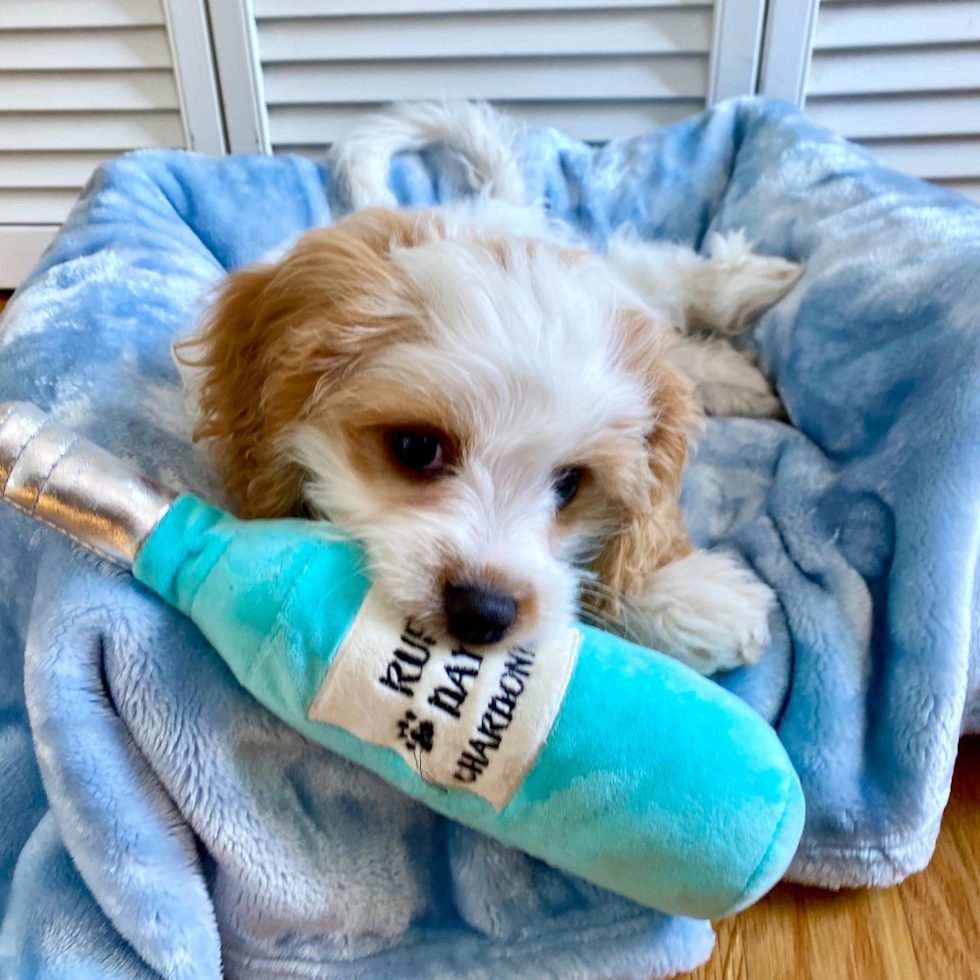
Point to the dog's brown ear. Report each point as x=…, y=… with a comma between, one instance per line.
x=236, y=367
x=651, y=532
x=277, y=334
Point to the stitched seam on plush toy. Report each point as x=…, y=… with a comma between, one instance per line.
x=572, y=662
x=72, y=443
x=279, y=627
x=194, y=595
x=764, y=861
x=322, y=682
x=64, y=532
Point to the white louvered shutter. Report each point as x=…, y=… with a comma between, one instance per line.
x=82, y=81
x=903, y=78
x=596, y=68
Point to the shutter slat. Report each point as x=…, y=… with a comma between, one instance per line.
x=488, y=35
x=111, y=91
x=80, y=82
x=35, y=206
x=285, y=9
x=898, y=24
x=20, y=248
x=942, y=159
x=532, y=80
x=929, y=69
x=599, y=69
x=311, y=129
x=90, y=131
x=917, y=115
x=62, y=50
x=968, y=188
x=66, y=170
x=42, y=14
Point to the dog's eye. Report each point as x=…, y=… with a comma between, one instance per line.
x=566, y=484
x=417, y=451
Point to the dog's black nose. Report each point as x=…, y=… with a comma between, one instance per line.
x=477, y=616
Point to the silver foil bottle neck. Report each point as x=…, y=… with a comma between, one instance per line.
x=53, y=475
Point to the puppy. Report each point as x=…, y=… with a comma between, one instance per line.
x=499, y=415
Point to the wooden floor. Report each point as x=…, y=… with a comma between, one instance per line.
x=927, y=928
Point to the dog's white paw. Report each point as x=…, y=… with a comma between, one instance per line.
x=751, y=395
x=737, y=387
x=755, y=400
x=707, y=610
x=745, y=284
x=726, y=381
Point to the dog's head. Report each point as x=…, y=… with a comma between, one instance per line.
x=489, y=415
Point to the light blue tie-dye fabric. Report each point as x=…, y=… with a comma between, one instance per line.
x=157, y=822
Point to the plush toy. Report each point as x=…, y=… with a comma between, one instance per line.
x=609, y=761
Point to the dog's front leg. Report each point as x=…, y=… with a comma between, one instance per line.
x=706, y=609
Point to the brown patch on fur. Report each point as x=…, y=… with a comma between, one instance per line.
x=651, y=530
x=504, y=248
x=391, y=486
x=278, y=335
x=570, y=257
x=369, y=454
x=365, y=416
x=363, y=405
x=587, y=498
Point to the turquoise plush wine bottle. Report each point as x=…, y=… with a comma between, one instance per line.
x=604, y=759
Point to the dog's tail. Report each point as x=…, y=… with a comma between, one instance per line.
x=482, y=137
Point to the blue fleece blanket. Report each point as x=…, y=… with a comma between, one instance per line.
x=158, y=822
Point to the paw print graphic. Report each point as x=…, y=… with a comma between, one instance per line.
x=416, y=736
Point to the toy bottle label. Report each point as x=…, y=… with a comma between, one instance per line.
x=461, y=718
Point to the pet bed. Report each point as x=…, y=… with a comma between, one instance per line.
x=159, y=822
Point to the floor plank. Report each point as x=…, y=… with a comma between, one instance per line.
x=920, y=930
x=728, y=963
x=935, y=901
